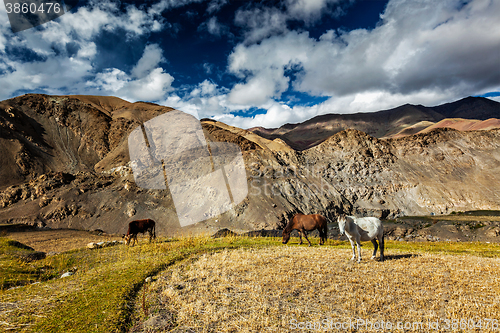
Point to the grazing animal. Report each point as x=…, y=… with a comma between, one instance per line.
x=362, y=229
x=140, y=226
x=304, y=223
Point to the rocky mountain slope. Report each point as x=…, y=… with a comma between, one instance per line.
x=404, y=120
x=65, y=163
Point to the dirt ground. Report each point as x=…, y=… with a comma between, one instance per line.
x=57, y=240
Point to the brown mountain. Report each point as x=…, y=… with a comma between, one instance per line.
x=399, y=121
x=65, y=163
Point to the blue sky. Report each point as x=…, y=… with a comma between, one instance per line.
x=261, y=63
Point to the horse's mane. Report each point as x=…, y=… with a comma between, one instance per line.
x=289, y=225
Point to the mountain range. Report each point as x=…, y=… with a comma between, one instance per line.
x=401, y=121
x=65, y=163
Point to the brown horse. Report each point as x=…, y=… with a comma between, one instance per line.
x=304, y=223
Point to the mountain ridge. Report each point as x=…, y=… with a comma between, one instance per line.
x=65, y=164
x=380, y=124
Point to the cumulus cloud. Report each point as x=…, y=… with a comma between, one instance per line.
x=214, y=27
x=309, y=10
x=261, y=22
x=216, y=5
x=206, y=99
x=420, y=52
x=146, y=82
x=260, y=88
x=423, y=52
x=63, y=54
x=150, y=59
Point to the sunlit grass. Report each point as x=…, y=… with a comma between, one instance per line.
x=270, y=289
x=100, y=296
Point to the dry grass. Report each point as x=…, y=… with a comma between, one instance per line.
x=239, y=284
x=256, y=290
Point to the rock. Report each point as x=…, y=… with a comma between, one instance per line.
x=67, y=274
x=92, y=246
x=40, y=225
x=29, y=257
x=224, y=233
x=159, y=323
x=98, y=232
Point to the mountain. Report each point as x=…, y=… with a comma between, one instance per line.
x=65, y=163
x=40, y=133
x=387, y=123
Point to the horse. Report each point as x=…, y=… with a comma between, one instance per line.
x=362, y=229
x=139, y=226
x=304, y=223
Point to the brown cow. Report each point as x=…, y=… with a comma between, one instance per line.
x=140, y=226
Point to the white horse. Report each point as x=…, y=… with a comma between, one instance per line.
x=362, y=229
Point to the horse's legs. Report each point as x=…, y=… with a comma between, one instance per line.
x=359, y=248
x=307, y=239
x=300, y=236
x=323, y=234
x=382, y=243
x=375, y=246
x=353, y=249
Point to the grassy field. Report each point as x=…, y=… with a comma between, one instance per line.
x=238, y=284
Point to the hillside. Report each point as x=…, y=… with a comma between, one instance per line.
x=66, y=164
x=396, y=122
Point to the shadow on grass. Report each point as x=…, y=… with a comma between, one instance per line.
x=400, y=256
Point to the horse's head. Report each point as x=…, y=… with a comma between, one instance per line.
x=286, y=236
x=342, y=221
x=127, y=239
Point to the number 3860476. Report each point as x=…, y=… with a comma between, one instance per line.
x=33, y=8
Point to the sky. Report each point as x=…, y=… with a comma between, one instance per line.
x=260, y=63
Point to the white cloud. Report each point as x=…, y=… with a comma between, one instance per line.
x=150, y=59
x=278, y=114
x=420, y=52
x=260, y=88
x=495, y=98
x=216, y=5
x=152, y=87
x=308, y=10
x=214, y=27
x=66, y=54
x=112, y=80
x=261, y=23
x=146, y=82
x=423, y=52
x=206, y=100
